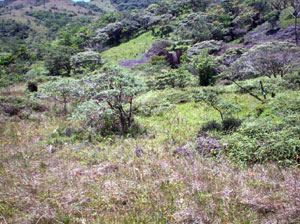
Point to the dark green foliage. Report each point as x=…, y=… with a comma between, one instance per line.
x=7, y=60
x=206, y=70
x=231, y=124
x=32, y=86
x=13, y=66
x=51, y=20
x=55, y=21
x=91, y=7
x=57, y=60
x=132, y=4
x=13, y=34
x=273, y=17
x=228, y=124
x=211, y=126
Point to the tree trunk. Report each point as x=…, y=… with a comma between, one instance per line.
x=263, y=90
x=296, y=29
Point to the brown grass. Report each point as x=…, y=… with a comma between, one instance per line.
x=107, y=183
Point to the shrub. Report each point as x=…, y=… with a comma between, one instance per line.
x=274, y=136
x=32, y=86
x=231, y=124
x=158, y=60
x=211, y=125
x=88, y=60
x=205, y=69
x=171, y=79
x=14, y=106
x=61, y=91
x=57, y=60
x=110, y=98
x=293, y=79
x=269, y=59
x=213, y=99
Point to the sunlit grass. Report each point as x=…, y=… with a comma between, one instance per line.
x=132, y=49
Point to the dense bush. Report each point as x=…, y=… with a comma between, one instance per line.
x=85, y=61
x=109, y=100
x=231, y=124
x=57, y=60
x=171, y=79
x=211, y=126
x=274, y=136
x=132, y=4
x=269, y=59
x=13, y=34
x=205, y=68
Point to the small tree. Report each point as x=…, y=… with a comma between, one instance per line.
x=213, y=99
x=115, y=91
x=295, y=4
x=269, y=59
x=57, y=60
x=88, y=60
x=61, y=91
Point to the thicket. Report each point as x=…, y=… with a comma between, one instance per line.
x=13, y=34
x=132, y=4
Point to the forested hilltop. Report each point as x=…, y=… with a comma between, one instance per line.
x=151, y=111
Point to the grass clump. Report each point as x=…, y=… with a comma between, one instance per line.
x=156, y=102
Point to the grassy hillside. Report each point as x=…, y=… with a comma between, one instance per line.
x=204, y=129
x=77, y=179
x=45, y=20
x=133, y=49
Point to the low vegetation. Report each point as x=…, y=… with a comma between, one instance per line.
x=141, y=117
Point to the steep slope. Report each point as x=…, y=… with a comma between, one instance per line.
x=27, y=21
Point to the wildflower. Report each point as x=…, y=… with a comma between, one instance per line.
x=113, y=196
x=262, y=150
x=57, y=202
